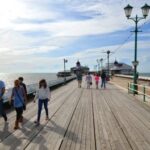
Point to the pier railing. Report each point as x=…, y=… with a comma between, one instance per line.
x=31, y=89
x=142, y=90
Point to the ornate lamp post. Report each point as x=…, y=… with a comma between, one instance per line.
x=136, y=19
x=98, y=63
x=108, y=53
x=101, y=60
x=95, y=67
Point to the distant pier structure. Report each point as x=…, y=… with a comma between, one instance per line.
x=119, y=68
x=84, y=69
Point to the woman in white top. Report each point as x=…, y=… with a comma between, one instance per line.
x=42, y=94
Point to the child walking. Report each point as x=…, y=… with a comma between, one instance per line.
x=42, y=94
x=96, y=80
x=89, y=80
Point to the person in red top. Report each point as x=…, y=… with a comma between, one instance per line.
x=96, y=80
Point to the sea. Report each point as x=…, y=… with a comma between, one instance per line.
x=144, y=74
x=29, y=78
x=33, y=78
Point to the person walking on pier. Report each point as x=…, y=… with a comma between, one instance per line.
x=2, y=91
x=96, y=80
x=25, y=88
x=79, y=74
x=21, y=79
x=19, y=97
x=89, y=80
x=103, y=80
x=42, y=94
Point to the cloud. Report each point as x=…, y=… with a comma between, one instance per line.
x=31, y=30
x=90, y=56
x=33, y=63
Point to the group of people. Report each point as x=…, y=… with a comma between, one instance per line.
x=89, y=79
x=19, y=98
x=79, y=73
x=19, y=95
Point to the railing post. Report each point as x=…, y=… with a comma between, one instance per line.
x=133, y=88
x=128, y=87
x=144, y=90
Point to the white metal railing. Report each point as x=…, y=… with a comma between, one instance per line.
x=133, y=88
x=33, y=87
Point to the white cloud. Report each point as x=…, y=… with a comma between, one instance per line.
x=33, y=63
x=90, y=56
x=19, y=16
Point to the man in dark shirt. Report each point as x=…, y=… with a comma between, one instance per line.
x=22, y=84
x=103, y=77
x=25, y=90
x=79, y=74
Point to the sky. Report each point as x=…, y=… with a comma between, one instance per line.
x=36, y=35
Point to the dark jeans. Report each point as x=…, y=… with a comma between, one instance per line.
x=40, y=105
x=2, y=110
x=103, y=84
x=19, y=112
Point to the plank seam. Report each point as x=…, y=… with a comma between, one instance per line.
x=52, y=101
x=70, y=121
x=120, y=126
x=93, y=121
x=48, y=121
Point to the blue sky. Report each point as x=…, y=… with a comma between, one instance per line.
x=36, y=35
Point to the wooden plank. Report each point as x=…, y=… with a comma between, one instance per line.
x=86, y=132
x=136, y=108
x=102, y=141
x=107, y=119
x=69, y=139
x=89, y=122
x=119, y=141
x=131, y=126
x=7, y=129
x=69, y=133
x=111, y=136
x=83, y=128
x=28, y=132
x=54, y=131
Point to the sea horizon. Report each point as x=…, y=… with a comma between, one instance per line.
x=29, y=78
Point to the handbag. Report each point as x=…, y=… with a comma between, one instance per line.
x=24, y=106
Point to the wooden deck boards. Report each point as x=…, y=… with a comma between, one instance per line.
x=82, y=119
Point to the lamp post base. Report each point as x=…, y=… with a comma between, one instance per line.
x=135, y=89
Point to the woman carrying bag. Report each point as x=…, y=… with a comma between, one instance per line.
x=19, y=97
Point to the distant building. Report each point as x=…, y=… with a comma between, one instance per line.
x=64, y=74
x=119, y=68
x=84, y=69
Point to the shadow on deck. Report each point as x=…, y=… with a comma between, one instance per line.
x=82, y=119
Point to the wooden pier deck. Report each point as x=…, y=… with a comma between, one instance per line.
x=82, y=119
